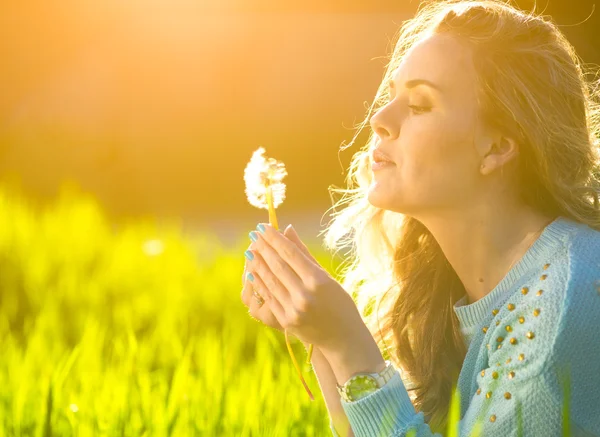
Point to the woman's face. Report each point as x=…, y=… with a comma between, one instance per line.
x=430, y=129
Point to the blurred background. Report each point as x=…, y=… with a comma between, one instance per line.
x=155, y=106
x=125, y=128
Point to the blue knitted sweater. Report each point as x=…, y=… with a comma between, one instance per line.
x=538, y=326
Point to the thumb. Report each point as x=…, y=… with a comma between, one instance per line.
x=291, y=234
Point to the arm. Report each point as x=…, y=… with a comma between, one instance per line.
x=517, y=391
x=327, y=381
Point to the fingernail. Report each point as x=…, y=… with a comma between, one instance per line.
x=249, y=255
x=250, y=276
x=253, y=236
x=261, y=228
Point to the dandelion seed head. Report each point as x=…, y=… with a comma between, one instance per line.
x=260, y=174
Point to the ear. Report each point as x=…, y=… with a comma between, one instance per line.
x=499, y=151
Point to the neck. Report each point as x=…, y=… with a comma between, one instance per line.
x=484, y=246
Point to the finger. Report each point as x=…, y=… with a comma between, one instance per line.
x=245, y=268
x=287, y=251
x=275, y=286
x=247, y=292
x=262, y=312
x=248, y=297
x=281, y=280
x=291, y=234
x=254, y=309
x=274, y=305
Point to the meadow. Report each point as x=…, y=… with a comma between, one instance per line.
x=136, y=330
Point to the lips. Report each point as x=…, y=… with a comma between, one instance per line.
x=376, y=166
x=379, y=156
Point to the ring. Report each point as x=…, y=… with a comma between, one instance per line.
x=259, y=298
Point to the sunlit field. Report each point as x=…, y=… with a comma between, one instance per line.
x=137, y=330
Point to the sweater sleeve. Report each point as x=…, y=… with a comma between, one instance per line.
x=519, y=390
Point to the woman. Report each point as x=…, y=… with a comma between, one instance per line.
x=475, y=224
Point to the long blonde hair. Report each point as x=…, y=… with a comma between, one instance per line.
x=533, y=86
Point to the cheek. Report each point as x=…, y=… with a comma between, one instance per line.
x=437, y=137
x=436, y=153
x=427, y=143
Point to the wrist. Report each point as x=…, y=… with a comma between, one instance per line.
x=356, y=357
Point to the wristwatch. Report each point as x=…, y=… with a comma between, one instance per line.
x=363, y=384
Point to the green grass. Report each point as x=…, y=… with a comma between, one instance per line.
x=100, y=337
x=137, y=330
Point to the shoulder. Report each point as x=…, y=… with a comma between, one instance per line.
x=578, y=324
x=575, y=351
x=544, y=336
x=584, y=258
x=554, y=313
x=580, y=315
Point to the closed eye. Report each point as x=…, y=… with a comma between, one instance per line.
x=419, y=109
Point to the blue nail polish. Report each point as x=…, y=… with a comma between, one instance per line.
x=250, y=276
x=261, y=228
x=249, y=255
x=253, y=236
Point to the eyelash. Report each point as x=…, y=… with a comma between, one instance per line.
x=413, y=107
x=425, y=108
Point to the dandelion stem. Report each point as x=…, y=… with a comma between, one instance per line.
x=273, y=222
x=272, y=216
x=287, y=341
x=310, y=349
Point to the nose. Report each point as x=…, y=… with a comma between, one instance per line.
x=386, y=123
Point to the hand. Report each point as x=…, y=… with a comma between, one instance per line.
x=263, y=313
x=301, y=295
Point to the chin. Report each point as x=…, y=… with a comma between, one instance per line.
x=378, y=200
x=385, y=202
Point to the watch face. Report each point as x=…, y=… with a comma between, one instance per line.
x=362, y=386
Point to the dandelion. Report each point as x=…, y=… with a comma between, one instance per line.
x=265, y=190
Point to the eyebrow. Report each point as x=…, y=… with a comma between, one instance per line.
x=414, y=82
